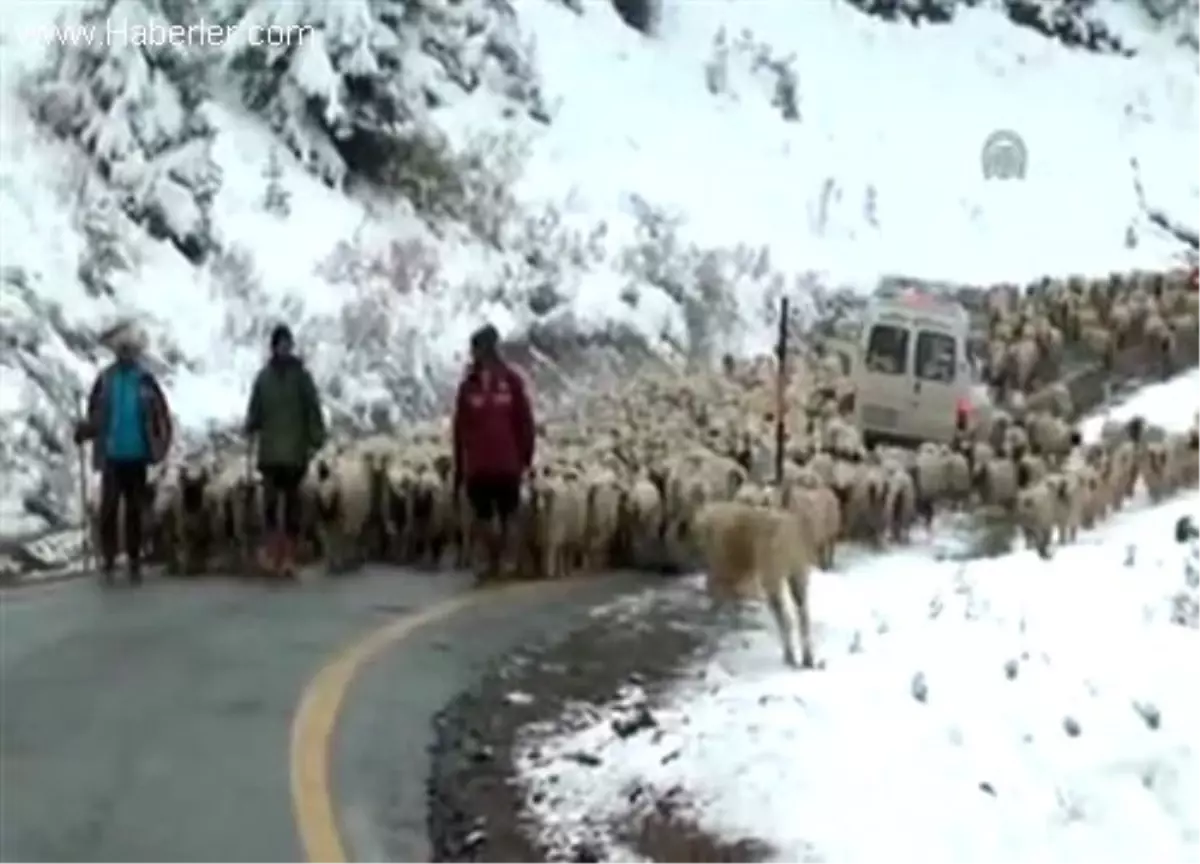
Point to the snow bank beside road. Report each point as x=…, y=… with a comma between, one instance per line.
x=1171, y=404
x=1003, y=709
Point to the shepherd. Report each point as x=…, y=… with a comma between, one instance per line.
x=493, y=445
x=286, y=416
x=129, y=421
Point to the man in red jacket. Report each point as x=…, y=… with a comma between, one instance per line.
x=493, y=444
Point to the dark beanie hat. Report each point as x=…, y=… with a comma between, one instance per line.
x=281, y=333
x=486, y=338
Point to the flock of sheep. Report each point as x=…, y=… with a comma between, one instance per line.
x=1099, y=317
x=676, y=470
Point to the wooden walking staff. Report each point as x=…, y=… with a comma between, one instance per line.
x=81, y=452
x=248, y=557
x=781, y=358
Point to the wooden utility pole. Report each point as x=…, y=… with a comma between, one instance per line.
x=781, y=359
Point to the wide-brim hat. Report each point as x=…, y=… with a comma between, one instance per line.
x=125, y=335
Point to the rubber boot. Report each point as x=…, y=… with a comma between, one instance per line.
x=269, y=554
x=287, y=557
x=509, y=561
x=489, y=565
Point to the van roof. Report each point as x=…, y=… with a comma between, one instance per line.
x=911, y=299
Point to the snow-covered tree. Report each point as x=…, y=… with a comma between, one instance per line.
x=105, y=252
x=353, y=89
x=133, y=103
x=1075, y=23
x=641, y=15
x=276, y=198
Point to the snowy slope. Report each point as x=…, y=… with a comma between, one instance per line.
x=892, y=119
x=647, y=200
x=1050, y=724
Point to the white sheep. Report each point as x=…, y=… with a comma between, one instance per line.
x=754, y=551
x=603, y=517
x=900, y=504
x=1035, y=512
x=343, y=502
x=559, y=513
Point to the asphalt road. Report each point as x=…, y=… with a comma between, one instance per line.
x=380, y=754
x=154, y=723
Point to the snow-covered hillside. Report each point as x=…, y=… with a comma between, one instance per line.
x=397, y=172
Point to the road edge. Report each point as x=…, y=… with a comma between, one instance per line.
x=315, y=721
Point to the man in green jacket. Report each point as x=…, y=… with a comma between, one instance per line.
x=285, y=414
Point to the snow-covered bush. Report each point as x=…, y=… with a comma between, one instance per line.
x=406, y=266
x=777, y=74
x=237, y=287
x=106, y=252
x=1072, y=22
x=353, y=93
x=421, y=167
x=135, y=110
x=641, y=15
x=470, y=184
x=487, y=166
x=41, y=349
x=385, y=372
x=276, y=199
x=809, y=307
x=548, y=258
x=710, y=286
x=716, y=68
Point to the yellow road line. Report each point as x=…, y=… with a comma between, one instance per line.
x=316, y=718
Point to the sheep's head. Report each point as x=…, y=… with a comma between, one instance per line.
x=1061, y=487
x=1135, y=428
x=1156, y=457
x=876, y=488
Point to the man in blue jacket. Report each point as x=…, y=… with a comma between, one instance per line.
x=130, y=423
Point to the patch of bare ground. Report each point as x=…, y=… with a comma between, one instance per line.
x=666, y=833
x=477, y=809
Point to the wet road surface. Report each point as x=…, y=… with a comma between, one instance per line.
x=154, y=723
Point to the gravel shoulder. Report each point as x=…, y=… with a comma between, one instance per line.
x=636, y=645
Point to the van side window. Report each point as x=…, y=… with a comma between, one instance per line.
x=937, y=356
x=887, y=350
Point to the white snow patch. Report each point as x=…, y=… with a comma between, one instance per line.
x=890, y=114
x=1171, y=404
x=847, y=765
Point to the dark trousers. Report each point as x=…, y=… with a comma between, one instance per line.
x=494, y=496
x=281, y=484
x=122, y=481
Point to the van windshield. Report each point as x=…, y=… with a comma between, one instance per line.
x=887, y=350
x=936, y=357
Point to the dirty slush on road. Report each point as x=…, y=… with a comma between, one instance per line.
x=476, y=809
